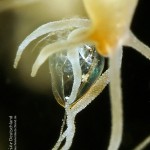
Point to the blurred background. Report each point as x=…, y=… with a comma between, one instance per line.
x=39, y=116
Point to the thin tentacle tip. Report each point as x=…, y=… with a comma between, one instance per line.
x=34, y=70
x=33, y=73
x=36, y=66
x=15, y=65
x=16, y=62
x=17, y=59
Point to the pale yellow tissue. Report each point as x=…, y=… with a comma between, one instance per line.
x=111, y=21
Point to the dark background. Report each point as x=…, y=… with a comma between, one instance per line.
x=39, y=116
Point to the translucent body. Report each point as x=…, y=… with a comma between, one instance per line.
x=109, y=30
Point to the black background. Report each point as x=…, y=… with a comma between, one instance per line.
x=39, y=116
